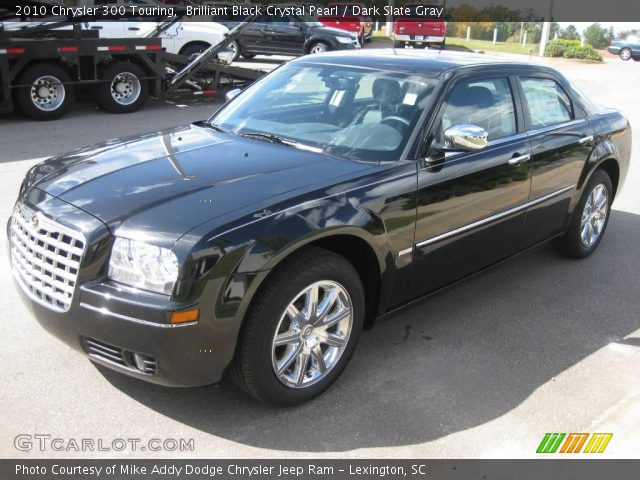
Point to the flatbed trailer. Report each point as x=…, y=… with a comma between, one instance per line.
x=42, y=68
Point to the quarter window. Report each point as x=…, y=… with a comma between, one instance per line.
x=486, y=103
x=548, y=103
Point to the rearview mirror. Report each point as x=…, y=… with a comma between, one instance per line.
x=231, y=94
x=465, y=137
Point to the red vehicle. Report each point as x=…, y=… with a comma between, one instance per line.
x=352, y=21
x=418, y=30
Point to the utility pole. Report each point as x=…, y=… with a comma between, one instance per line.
x=546, y=28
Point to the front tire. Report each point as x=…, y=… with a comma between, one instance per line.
x=625, y=54
x=589, y=220
x=122, y=89
x=301, y=330
x=319, y=47
x=45, y=95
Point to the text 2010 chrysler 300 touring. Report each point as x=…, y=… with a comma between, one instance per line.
x=332, y=191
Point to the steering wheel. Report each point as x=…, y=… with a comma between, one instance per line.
x=395, y=118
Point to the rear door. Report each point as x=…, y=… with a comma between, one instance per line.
x=471, y=205
x=561, y=140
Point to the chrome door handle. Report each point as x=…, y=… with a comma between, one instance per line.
x=587, y=139
x=519, y=159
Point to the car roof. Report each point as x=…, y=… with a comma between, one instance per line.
x=418, y=61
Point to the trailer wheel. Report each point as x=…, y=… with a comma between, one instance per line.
x=45, y=97
x=122, y=89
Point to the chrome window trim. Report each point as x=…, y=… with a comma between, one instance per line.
x=492, y=218
x=556, y=126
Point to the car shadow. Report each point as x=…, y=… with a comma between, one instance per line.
x=456, y=360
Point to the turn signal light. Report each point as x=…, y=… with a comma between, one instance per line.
x=185, y=316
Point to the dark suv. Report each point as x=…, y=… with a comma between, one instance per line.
x=287, y=35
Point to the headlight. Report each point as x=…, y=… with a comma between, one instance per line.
x=143, y=266
x=345, y=39
x=226, y=56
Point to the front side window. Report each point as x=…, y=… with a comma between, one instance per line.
x=548, y=103
x=486, y=103
x=350, y=112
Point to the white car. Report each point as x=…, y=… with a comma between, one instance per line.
x=185, y=38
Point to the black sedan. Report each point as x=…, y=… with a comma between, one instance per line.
x=286, y=35
x=331, y=192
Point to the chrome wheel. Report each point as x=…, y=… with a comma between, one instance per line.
x=125, y=88
x=625, y=54
x=312, y=334
x=318, y=48
x=594, y=215
x=47, y=93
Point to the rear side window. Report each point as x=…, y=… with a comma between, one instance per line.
x=548, y=103
x=486, y=103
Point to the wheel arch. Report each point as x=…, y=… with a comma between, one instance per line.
x=192, y=43
x=352, y=243
x=317, y=39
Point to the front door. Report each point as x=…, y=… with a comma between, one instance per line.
x=471, y=205
x=285, y=35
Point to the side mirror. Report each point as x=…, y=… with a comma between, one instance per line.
x=465, y=138
x=231, y=94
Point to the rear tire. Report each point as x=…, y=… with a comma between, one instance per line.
x=286, y=355
x=589, y=220
x=122, y=90
x=45, y=97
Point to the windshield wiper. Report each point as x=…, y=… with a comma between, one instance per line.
x=215, y=127
x=270, y=137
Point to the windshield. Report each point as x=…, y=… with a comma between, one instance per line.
x=360, y=114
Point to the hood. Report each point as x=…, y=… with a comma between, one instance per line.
x=164, y=184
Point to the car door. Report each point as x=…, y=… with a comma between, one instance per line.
x=285, y=35
x=471, y=205
x=252, y=39
x=561, y=138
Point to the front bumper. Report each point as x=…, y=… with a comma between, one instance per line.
x=614, y=50
x=132, y=328
x=183, y=355
x=348, y=46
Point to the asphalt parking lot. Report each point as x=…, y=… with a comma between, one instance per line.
x=539, y=344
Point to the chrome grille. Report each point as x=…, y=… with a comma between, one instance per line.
x=45, y=258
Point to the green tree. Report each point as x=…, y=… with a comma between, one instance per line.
x=569, y=33
x=597, y=36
